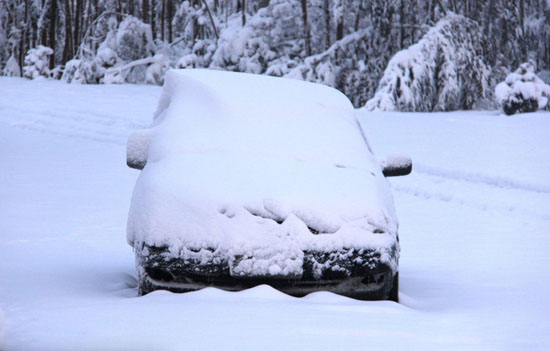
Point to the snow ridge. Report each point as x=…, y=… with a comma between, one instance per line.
x=496, y=181
x=34, y=105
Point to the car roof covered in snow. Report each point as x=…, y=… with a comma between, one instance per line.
x=243, y=158
x=215, y=110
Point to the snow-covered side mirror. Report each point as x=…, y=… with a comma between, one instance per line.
x=137, y=149
x=395, y=166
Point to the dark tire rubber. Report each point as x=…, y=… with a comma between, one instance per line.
x=394, y=292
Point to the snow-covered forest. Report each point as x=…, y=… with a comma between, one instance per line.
x=346, y=44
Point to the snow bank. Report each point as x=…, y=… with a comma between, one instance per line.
x=444, y=71
x=259, y=167
x=522, y=91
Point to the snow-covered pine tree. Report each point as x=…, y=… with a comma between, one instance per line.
x=36, y=62
x=12, y=68
x=134, y=41
x=90, y=68
x=444, y=71
x=355, y=63
x=271, y=41
x=71, y=67
x=342, y=66
x=155, y=72
x=522, y=91
x=122, y=56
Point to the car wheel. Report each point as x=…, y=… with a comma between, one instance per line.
x=394, y=292
x=144, y=286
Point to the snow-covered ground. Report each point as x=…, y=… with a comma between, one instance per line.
x=474, y=219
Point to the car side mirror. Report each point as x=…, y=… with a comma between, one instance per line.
x=137, y=148
x=395, y=166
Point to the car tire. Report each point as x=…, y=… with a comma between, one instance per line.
x=394, y=292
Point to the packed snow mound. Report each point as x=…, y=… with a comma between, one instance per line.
x=522, y=91
x=444, y=71
x=258, y=167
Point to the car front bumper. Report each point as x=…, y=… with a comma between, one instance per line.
x=358, y=274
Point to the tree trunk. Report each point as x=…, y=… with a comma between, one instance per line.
x=488, y=17
x=170, y=11
x=42, y=30
x=119, y=10
x=402, y=25
x=68, y=49
x=307, y=34
x=77, y=22
x=546, y=58
x=24, y=36
x=443, y=9
x=523, y=41
x=358, y=15
x=145, y=11
x=95, y=14
x=33, y=37
x=162, y=19
x=212, y=23
x=243, y=7
x=413, y=4
x=153, y=25
x=87, y=20
x=340, y=29
x=432, y=12
x=326, y=7
x=53, y=20
x=131, y=8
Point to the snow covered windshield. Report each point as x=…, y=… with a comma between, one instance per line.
x=238, y=159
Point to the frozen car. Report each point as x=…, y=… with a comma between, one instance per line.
x=250, y=180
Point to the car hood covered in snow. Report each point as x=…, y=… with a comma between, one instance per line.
x=258, y=166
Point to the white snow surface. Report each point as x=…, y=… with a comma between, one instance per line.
x=474, y=219
x=233, y=154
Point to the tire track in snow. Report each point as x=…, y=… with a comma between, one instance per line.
x=495, y=181
x=479, y=195
x=81, y=124
x=105, y=114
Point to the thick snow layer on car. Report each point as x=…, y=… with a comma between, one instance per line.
x=260, y=166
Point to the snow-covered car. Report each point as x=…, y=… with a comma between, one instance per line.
x=250, y=180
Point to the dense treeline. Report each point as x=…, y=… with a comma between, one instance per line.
x=343, y=43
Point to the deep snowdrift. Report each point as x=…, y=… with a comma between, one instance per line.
x=474, y=219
